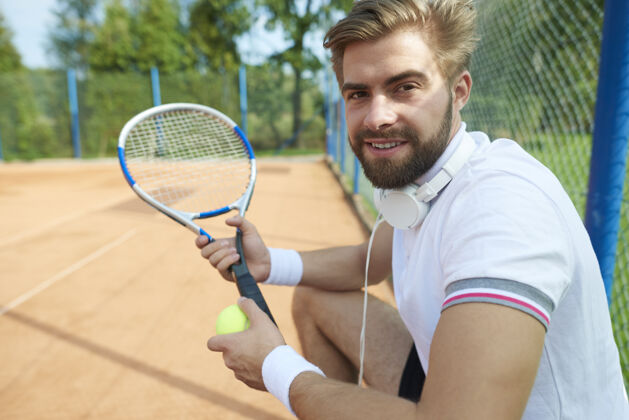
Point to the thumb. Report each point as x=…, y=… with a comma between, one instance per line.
x=252, y=310
x=243, y=224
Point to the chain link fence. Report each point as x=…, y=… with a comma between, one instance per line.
x=35, y=117
x=535, y=81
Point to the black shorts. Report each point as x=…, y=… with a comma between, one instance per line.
x=413, y=377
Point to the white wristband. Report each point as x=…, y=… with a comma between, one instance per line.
x=280, y=368
x=286, y=267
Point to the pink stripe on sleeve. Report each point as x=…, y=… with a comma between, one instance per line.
x=499, y=297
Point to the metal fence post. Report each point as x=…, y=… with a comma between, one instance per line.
x=609, y=144
x=327, y=107
x=157, y=95
x=74, y=113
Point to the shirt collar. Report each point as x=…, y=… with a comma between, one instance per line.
x=434, y=169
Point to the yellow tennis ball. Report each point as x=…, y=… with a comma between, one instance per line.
x=231, y=319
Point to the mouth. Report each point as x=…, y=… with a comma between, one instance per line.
x=383, y=147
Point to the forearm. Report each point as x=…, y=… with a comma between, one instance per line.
x=343, y=268
x=315, y=397
x=339, y=268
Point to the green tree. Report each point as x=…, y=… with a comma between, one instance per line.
x=10, y=59
x=214, y=27
x=26, y=133
x=113, y=47
x=70, y=39
x=161, y=39
x=297, y=19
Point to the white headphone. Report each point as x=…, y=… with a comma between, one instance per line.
x=407, y=207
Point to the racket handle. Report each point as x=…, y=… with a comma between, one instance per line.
x=247, y=285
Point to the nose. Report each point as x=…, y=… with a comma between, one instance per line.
x=380, y=113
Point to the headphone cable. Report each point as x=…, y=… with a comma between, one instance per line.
x=379, y=220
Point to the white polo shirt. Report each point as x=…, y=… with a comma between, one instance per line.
x=505, y=232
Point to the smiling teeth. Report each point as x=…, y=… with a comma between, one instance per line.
x=384, y=145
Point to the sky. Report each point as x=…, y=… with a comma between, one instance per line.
x=31, y=20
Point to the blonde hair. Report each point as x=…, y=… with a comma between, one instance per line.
x=448, y=27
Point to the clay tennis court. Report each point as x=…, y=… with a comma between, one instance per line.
x=106, y=305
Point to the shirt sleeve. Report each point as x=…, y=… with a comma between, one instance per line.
x=505, y=242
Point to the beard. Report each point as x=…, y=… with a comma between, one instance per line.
x=388, y=174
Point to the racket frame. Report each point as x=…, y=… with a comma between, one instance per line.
x=187, y=218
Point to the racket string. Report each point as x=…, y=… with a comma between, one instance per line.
x=188, y=159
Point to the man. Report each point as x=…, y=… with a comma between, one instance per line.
x=500, y=300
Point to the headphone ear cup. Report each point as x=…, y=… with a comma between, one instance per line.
x=400, y=208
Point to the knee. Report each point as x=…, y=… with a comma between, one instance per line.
x=302, y=297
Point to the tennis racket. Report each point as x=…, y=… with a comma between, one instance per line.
x=192, y=162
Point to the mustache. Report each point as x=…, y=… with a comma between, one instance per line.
x=405, y=133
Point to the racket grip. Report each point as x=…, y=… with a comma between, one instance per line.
x=248, y=287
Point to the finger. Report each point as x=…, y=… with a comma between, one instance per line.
x=216, y=257
x=214, y=247
x=235, y=221
x=218, y=343
x=201, y=241
x=252, y=310
x=243, y=224
x=224, y=264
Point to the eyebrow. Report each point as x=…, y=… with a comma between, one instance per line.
x=407, y=75
x=423, y=78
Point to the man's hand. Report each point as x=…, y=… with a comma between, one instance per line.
x=222, y=253
x=245, y=351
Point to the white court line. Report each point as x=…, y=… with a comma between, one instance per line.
x=38, y=230
x=66, y=272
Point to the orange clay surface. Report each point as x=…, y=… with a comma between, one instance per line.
x=106, y=305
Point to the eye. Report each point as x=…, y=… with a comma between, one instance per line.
x=407, y=87
x=358, y=94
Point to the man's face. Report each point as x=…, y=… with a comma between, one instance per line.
x=398, y=107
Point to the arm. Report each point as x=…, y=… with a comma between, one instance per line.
x=340, y=268
x=483, y=363
x=343, y=268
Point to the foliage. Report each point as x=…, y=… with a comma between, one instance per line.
x=214, y=28
x=70, y=39
x=10, y=59
x=297, y=19
x=108, y=101
x=218, y=89
x=270, y=91
x=161, y=41
x=27, y=132
x=113, y=48
x=544, y=84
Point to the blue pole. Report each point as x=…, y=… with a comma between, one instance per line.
x=242, y=82
x=157, y=95
x=343, y=134
x=328, y=113
x=74, y=113
x=335, y=127
x=609, y=143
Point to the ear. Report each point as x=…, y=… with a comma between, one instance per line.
x=461, y=89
